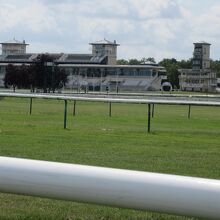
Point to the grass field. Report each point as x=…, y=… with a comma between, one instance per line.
x=177, y=145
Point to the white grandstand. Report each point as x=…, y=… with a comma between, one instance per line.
x=95, y=72
x=115, y=77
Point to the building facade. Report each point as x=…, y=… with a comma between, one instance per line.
x=97, y=71
x=200, y=77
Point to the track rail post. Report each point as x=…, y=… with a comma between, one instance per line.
x=152, y=110
x=74, y=108
x=30, y=106
x=65, y=114
x=110, y=109
x=149, y=117
x=189, y=111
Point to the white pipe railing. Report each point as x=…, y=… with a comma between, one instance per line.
x=113, y=100
x=172, y=194
x=147, y=94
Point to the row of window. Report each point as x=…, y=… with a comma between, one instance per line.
x=195, y=81
x=97, y=72
x=201, y=81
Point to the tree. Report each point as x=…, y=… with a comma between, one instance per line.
x=17, y=76
x=59, y=79
x=23, y=77
x=134, y=62
x=11, y=76
x=185, y=64
x=172, y=67
x=41, y=71
x=149, y=59
x=41, y=74
x=45, y=75
x=215, y=66
x=32, y=77
x=122, y=62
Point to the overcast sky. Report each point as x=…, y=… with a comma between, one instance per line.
x=144, y=28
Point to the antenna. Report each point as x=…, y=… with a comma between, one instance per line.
x=104, y=32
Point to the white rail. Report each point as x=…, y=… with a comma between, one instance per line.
x=172, y=194
x=113, y=100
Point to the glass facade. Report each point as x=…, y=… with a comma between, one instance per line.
x=103, y=72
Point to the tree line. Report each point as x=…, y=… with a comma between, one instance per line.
x=41, y=74
x=172, y=65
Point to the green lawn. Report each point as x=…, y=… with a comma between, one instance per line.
x=177, y=145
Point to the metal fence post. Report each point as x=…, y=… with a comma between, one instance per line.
x=74, y=108
x=189, y=111
x=65, y=113
x=30, y=106
x=149, y=117
x=152, y=110
x=110, y=109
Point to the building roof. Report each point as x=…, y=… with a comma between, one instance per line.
x=14, y=41
x=202, y=42
x=58, y=58
x=160, y=68
x=16, y=58
x=78, y=57
x=104, y=42
x=82, y=59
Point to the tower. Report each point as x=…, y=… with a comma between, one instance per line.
x=13, y=47
x=201, y=56
x=105, y=47
x=200, y=77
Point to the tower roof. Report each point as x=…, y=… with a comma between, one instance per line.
x=14, y=41
x=105, y=42
x=202, y=42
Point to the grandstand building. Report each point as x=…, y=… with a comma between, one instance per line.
x=97, y=71
x=200, y=77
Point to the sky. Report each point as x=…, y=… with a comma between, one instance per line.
x=143, y=28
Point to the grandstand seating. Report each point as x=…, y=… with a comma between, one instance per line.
x=78, y=57
x=131, y=82
x=141, y=84
x=144, y=83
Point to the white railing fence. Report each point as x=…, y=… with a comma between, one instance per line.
x=163, y=193
x=150, y=102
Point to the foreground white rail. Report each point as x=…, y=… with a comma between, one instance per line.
x=115, y=187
